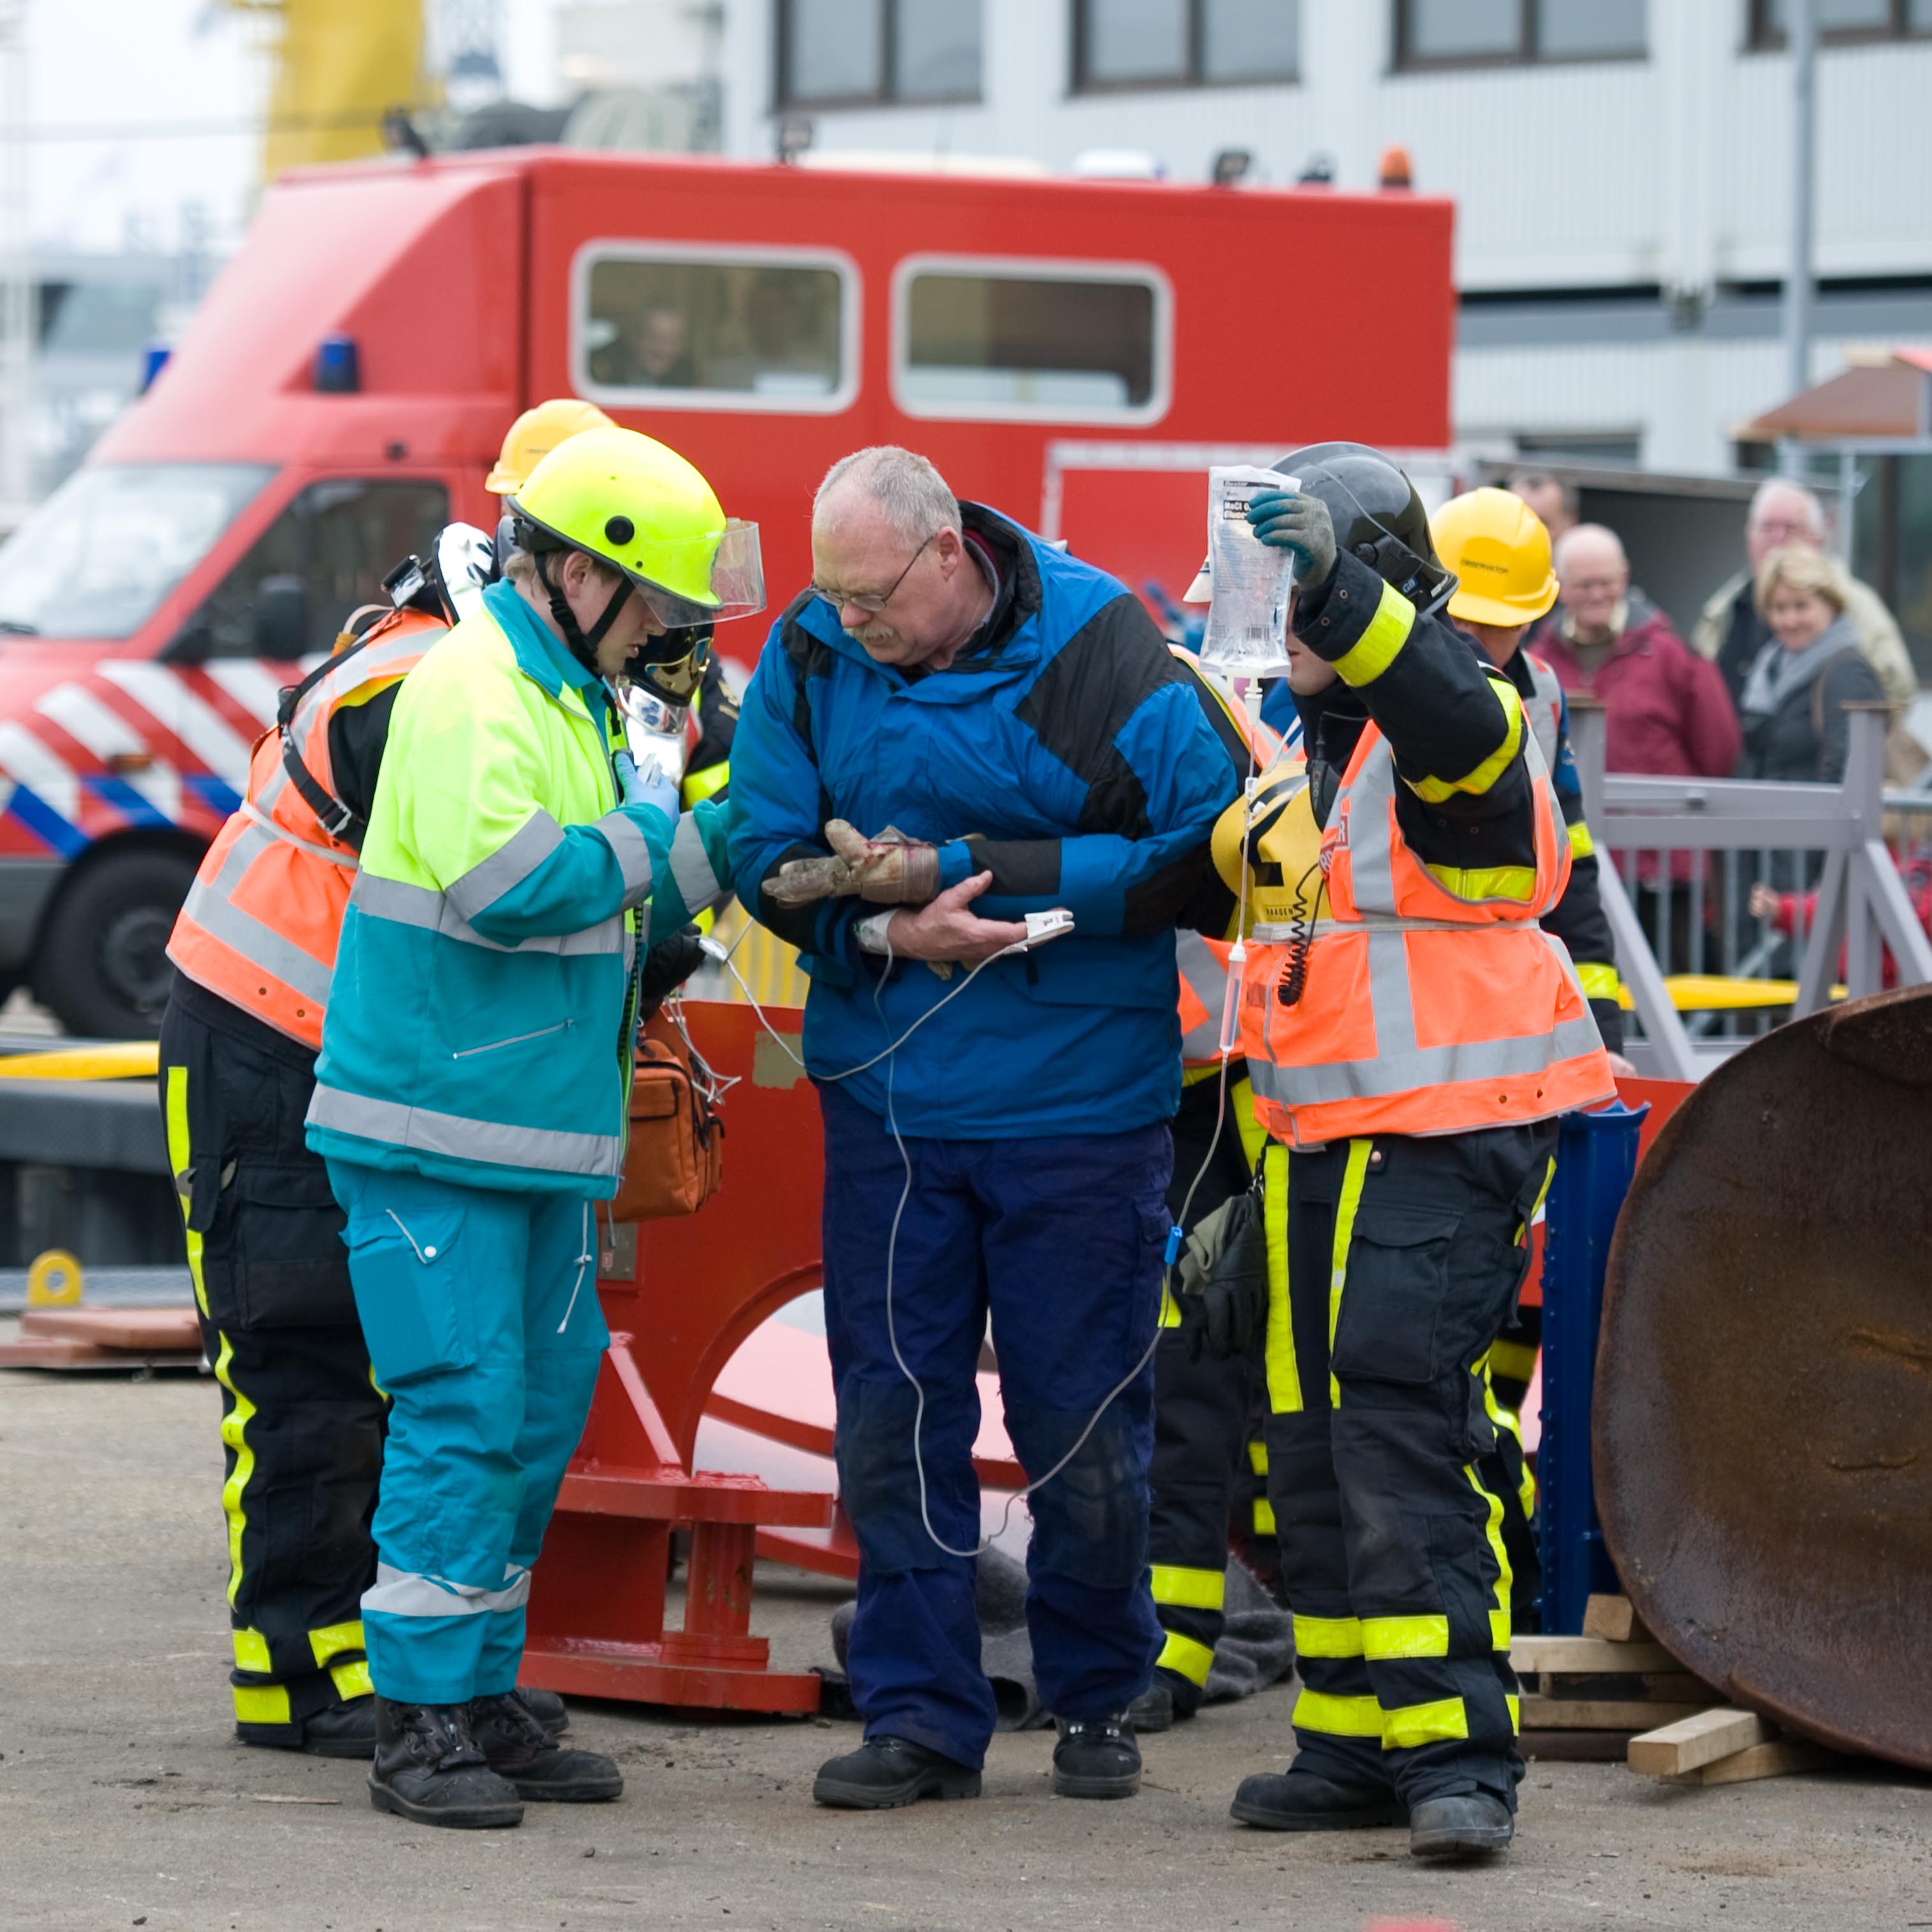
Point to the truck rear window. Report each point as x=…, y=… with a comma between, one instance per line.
x=1031, y=340
x=676, y=327
x=97, y=558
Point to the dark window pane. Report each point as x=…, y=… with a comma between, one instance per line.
x=1918, y=16
x=754, y=329
x=1445, y=29
x=937, y=50
x=995, y=343
x=327, y=553
x=1590, y=27
x=1136, y=39
x=1250, y=40
x=1835, y=16
x=834, y=48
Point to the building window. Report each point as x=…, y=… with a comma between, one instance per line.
x=1488, y=33
x=865, y=53
x=1129, y=43
x=1845, y=20
x=1018, y=341
x=680, y=326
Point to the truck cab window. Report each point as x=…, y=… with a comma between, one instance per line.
x=1012, y=342
x=683, y=328
x=327, y=552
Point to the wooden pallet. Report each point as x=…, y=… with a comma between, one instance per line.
x=1611, y=1683
x=105, y=1338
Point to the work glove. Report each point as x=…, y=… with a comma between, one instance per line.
x=889, y=870
x=650, y=785
x=1221, y=1277
x=1300, y=525
x=667, y=966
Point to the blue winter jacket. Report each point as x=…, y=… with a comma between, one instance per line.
x=1063, y=752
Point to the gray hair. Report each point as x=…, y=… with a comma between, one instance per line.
x=1567, y=542
x=1783, y=486
x=912, y=496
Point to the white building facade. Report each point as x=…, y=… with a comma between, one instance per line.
x=1620, y=169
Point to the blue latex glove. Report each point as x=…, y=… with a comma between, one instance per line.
x=1300, y=525
x=653, y=787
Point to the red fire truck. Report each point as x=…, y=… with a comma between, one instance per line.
x=1074, y=353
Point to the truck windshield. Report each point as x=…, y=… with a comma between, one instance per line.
x=97, y=558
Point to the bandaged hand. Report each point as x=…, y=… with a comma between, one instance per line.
x=889, y=870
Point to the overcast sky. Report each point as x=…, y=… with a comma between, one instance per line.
x=109, y=78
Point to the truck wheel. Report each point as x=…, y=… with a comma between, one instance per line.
x=102, y=965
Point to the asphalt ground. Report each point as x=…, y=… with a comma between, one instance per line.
x=124, y=1801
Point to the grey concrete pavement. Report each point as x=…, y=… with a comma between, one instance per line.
x=124, y=1801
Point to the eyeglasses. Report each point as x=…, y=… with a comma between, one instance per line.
x=872, y=603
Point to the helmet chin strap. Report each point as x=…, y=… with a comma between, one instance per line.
x=582, y=643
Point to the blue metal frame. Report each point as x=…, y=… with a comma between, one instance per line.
x=1596, y=1157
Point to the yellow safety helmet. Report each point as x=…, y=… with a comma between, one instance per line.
x=636, y=503
x=1497, y=546
x=536, y=434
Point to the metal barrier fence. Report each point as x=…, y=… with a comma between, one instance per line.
x=1679, y=860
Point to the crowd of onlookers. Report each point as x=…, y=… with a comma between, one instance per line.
x=1781, y=647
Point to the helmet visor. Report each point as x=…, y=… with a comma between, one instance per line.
x=703, y=579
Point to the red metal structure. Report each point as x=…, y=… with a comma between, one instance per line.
x=345, y=387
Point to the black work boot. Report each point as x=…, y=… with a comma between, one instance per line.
x=1303, y=1800
x=1163, y=1704
x=546, y=1707
x=884, y=1773
x=1096, y=1757
x=347, y=1729
x=428, y=1768
x=515, y=1745
x=1467, y=1826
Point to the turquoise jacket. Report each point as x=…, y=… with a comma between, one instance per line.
x=480, y=1018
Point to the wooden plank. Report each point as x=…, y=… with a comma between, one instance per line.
x=1614, y=1619
x=150, y=1330
x=1780, y=1758
x=1572, y=1714
x=1661, y=1686
x=1697, y=1740
x=1588, y=1655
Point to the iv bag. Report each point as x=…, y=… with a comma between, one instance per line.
x=1247, y=622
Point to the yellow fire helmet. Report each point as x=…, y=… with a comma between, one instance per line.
x=636, y=503
x=536, y=434
x=1497, y=546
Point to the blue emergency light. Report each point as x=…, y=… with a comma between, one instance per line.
x=338, y=366
x=154, y=360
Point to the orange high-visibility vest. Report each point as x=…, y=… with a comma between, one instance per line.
x=261, y=922
x=1433, y=1002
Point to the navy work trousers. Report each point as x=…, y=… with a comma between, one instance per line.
x=1061, y=1240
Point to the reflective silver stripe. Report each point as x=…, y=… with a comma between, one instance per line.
x=1546, y=709
x=208, y=906
x=1380, y=923
x=394, y=1124
x=257, y=816
x=690, y=870
x=510, y=865
x=408, y=1593
x=424, y=906
x=1402, y=1069
x=1209, y=979
x=634, y=857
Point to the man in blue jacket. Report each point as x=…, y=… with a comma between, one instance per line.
x=995, y=1137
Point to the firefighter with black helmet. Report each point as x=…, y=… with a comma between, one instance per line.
x=1411, y=1035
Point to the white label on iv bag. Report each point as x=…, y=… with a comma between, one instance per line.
x=1247, y=620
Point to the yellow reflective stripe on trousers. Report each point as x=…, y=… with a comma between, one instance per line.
x=1516, y=1715
x=235, y=1436
x=180, y=1160
x=351, y=1680
x=1185, y=1658
x=1344, y=1229
x=262, y=1704
x=1264, y=1516
x=1386, y=1637
x=1327, y=1636
x=1514, y=1360
x=1170, y=1309
x=1284, y=1373
x=251, y=1651
x=1409, y=1725
x=1339, y=1717
x=1380, y=644
x=1599, y=982
x=333, y=1640
x=1496, y=1536
x=1499, y=1631
x=1189, y=1589
x=1258, y=1456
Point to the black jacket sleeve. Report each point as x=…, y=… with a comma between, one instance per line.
x=357, y=733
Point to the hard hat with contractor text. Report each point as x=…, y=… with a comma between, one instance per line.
x=1497, y=545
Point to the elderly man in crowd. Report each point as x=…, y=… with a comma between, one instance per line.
x=1667, y=712
x=958, y=725
x=1732, y=633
